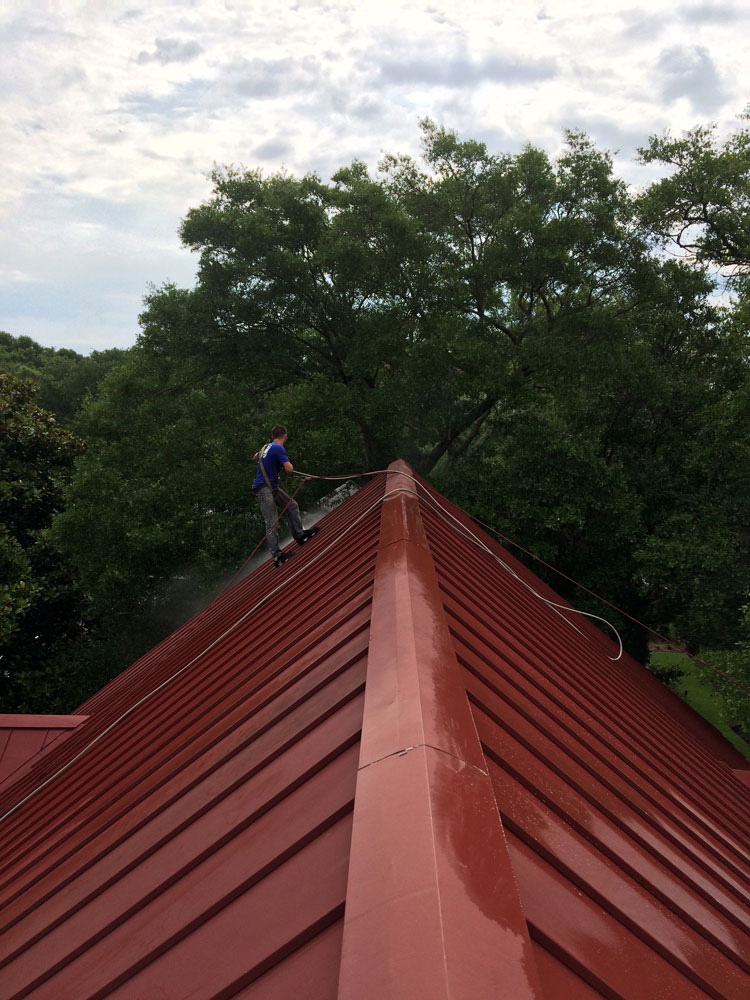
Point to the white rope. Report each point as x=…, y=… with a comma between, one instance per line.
x=468, y=533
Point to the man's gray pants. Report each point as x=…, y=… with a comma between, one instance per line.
x=271, y=505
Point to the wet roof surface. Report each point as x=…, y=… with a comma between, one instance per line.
x=388, y=769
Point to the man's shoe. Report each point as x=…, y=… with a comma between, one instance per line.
x=307, y=534
x=281, y=557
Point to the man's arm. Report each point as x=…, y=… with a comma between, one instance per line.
x=288, y=467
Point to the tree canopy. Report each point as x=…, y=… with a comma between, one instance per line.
x=703, y=205
x=39, y=601
x=63, y=377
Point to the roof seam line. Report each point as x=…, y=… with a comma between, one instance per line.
x=418, y=746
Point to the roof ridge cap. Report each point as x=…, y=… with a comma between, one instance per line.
x=424, y=810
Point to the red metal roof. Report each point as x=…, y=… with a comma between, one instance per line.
x=23, y=737
x=387, y=770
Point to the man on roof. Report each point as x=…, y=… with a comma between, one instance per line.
x=272, y=500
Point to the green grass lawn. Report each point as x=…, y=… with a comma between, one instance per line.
x=700, y=697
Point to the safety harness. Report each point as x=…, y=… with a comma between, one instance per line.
x=262, y=466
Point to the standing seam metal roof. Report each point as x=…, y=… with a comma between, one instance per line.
x=389, y=769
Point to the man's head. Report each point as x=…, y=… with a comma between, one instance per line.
x=278, y=433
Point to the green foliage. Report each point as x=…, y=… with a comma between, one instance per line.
x=700, y=684
x=703, y=206
x=669, y=668
x=162, y=488
x=730, y=677
x=65, y=378
x=305, y=283
x=160, y=511
x=39, y=602
x=627, y=467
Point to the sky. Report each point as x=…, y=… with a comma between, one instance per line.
x=113, y=114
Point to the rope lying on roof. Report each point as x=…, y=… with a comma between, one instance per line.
x=709, y=666
x=468, y=533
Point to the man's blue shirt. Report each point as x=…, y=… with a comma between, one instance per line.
x=273, y=456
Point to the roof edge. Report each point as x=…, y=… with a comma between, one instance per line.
x=41, y=721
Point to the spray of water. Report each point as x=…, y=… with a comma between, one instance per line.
x=310, y=516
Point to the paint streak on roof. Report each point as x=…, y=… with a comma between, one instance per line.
x=389, y=769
